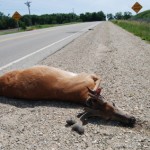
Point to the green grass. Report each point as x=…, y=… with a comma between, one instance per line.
x=141, y=29
x=143, y=16
x=7, y=32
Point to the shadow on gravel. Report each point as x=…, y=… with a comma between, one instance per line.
x=20, y=103
x=140, y=124
x=99, y=121
x=68, y=105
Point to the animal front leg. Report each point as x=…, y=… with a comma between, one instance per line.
x=80, y=114
x=88, y=112
x=84, y=117
x=86, y=109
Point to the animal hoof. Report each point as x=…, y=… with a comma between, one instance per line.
x=132, y=121
x=70, y=121
x=78, y=128
x=84, y=122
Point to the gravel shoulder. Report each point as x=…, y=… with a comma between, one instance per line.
x=123, y=62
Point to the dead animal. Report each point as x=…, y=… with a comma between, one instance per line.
x=43, y=82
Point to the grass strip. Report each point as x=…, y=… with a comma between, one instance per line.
x=141, y=29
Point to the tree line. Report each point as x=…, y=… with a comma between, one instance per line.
x=120, y=16
x=7, y=22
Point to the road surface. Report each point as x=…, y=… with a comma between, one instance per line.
x=24, y=49
x=123, y=62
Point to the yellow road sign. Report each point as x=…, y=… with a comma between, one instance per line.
x=16, y=16
x=136, y=7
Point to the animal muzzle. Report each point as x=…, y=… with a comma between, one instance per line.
x=125, y=119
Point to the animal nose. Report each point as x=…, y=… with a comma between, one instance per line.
x=132, y=121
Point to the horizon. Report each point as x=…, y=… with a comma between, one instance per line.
x=67, y=6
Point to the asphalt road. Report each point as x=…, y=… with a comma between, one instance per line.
x=25, y=49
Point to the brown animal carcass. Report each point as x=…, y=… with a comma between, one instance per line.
x=43, y=82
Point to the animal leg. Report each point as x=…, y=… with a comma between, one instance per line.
x=84, y=117
x=80, y=114
x=86, y=109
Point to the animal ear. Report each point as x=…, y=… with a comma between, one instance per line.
x=98, y=98
x=90, y=91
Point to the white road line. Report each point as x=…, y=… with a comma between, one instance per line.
x=22, y=36
x=42, y=49
x=33, y=33
x=20, y=59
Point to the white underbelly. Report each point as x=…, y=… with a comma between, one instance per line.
x=72, y=74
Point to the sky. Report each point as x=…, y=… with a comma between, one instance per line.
x=39, y=7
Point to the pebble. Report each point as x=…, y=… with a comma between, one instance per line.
x=139, y=144
x=95, y=132
x=0, y=145
x=84, y=139
x=40, y=134
x=94, y=142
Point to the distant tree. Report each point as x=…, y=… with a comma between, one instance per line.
x=110, y=16
x=1, y=15
x=95, y=16
x=34, y=19
x=26, y=19
x=22, y=25
x=11, y=23
x=6, y=22
x=118, y=16
x=101, y=16
x=127, y=15
x=88, y=16
x=82, y=17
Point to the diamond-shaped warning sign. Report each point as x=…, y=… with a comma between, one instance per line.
x=136, y=7
x=16, y=16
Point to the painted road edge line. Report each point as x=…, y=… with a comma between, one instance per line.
x=22, y=58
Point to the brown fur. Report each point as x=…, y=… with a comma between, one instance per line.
x=43, y=82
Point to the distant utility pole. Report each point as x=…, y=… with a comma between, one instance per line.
x=28, y=4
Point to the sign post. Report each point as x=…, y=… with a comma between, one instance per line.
x=17, y=17
x=136, y=7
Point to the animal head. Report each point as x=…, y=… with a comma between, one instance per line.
x=107, y=110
